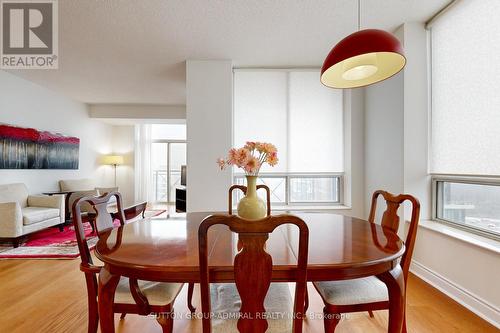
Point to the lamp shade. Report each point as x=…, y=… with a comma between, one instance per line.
x=363, y=58
x=112, y=159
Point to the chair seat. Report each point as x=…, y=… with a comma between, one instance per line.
x=157, y=293
x=355, y=291
x=226, y=303
x=33, y=215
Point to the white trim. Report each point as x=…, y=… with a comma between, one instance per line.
x=462, y=235
x=469, y=300
x=439, y=14
x=303, y=208
x=276, y=69
x=309, y=208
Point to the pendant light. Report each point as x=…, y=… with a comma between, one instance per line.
x=363, y=58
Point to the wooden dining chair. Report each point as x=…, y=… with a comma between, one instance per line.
x=131, y=296
x=243, y=188
x=370, y=294
x=252, y=298
x=230, y=211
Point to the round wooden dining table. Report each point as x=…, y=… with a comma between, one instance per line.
x=166, y=249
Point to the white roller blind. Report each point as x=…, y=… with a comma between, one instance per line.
x=466, y=89
x=260, y=111
x=316, y=125
x=293, y=110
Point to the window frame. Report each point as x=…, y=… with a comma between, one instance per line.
x=168, y=142
x=289, y=175
x=437, y=199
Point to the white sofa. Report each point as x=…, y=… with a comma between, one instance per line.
x=81, y=188
x=21, y=213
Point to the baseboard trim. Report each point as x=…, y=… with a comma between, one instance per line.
x=474, y=303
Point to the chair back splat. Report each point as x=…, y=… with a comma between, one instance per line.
x=391, y=220
x=253, y=269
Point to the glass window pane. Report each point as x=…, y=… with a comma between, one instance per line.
x=277, y=187
x=177, y=159
x=168, y=132
x=472, y=205
x=314, y=189
x=159, y=156
x=316, y=125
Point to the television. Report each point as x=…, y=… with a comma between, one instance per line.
x=183, y=175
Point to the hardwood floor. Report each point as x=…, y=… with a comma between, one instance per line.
x=49, y=296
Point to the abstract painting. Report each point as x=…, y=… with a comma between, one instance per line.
x=28, y=148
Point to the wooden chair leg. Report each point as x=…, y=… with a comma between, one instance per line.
x=166, y=321
x=93, y=321
x=92, y=224
x=190, y=298
x=93, y=315
x=330, y=320
x=306, y=304
x=61, y=227
x=15, y=242
x=404, y=324
x=123, y=316
x=370, y=312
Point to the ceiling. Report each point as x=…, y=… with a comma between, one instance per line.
x=129, y=51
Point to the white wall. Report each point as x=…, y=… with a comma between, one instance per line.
x=354, y=149
x=416, y=117
x=466, y=272
x=151, y=112
x=384, y=107
x=209, y=105
x=26, y=104
x=123, y=144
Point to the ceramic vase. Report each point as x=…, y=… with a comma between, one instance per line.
x=251, y=207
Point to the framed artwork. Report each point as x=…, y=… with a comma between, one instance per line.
x=28, y=148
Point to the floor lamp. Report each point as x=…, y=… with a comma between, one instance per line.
x=113, y=160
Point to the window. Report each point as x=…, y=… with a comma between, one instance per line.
x=465, y=103
x=168, y=154
x=472, y=204
x=304, y=119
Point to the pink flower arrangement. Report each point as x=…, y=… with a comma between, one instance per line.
x=251, y=157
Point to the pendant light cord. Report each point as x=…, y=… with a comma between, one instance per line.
x=359, y=15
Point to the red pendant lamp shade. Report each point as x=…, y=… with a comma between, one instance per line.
x=363, y=58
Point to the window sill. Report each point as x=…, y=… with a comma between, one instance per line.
x=467, y=237
x=298, y=208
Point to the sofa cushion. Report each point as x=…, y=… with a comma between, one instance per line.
x=76, y=185
x=14, y=193
x=104, y=190
x=38, y=214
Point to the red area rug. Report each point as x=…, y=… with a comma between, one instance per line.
x=53, y=244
